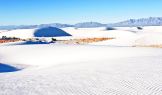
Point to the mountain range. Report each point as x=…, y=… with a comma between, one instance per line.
x=151, y=21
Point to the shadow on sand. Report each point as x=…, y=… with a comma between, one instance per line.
x=45, y=32
x=50, y=32
x=4, y=68
x=32, y=43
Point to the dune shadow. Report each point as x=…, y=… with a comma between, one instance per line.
x=32, y=43
x=4, y=68
x=50, y=32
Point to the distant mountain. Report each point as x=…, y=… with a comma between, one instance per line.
x=89, y=25
x=152, y=21
x=11, y=27
x=57, y=25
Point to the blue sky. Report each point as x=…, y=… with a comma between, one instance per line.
x=16, y=12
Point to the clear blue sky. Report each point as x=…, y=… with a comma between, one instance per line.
x=15, y=12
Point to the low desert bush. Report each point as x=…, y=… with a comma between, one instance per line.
x=139, y=28
x=110, y=28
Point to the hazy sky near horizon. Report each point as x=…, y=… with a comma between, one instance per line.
x=16, y=12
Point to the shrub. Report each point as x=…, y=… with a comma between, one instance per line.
x=76, y=28
x=110, y=28
x=139, y=28
x=53, y=39
x=37, y=39
x=4, y=37
x=9, y=38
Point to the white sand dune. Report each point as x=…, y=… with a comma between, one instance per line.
x=42, y=55
x=131, y=37
x=104, y=68
x=149, y=39
x=124, y=36
x=81, y=70
x=30, y=33
x=20, y=33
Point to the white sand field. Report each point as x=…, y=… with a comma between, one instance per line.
x=124, y=36
x=110, y=67
x=81, y=70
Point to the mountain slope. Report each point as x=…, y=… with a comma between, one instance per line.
x=89, y=25
x=152, y=21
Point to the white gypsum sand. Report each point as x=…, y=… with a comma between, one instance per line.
x=81, y=70
x=111, y=67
